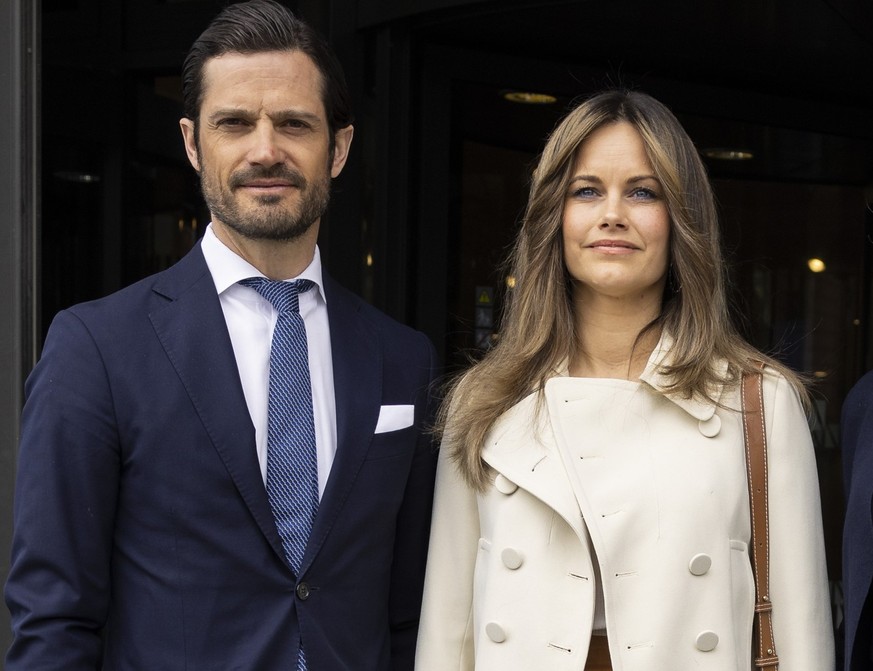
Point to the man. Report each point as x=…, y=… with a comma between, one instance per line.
x=205, y=480
x=857, y=448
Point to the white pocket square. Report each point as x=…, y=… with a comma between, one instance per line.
x=395, y=417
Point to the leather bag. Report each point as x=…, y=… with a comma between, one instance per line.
x=755, y=437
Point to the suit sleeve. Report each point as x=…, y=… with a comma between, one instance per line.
x=856, y=445
x=413, y=524
x=445, y=638
x=856, y=415
x=68, y=470
x=803, y=631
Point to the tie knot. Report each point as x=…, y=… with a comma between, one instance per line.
x=283, y=295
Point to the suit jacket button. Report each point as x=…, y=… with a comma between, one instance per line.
x=495, y=632
x=504, y=485
x=700, y=564
x=303, y=591
x=512, y=559
x=706, y=641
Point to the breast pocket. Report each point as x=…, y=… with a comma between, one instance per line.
x=393, y=444
x=395, y=417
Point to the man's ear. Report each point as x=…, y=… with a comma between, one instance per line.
x=189, y=135
x=342, y=143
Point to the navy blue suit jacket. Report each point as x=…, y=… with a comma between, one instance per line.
x=143, y=537
x=857, y=454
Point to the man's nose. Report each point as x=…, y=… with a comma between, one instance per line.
x=265, y=149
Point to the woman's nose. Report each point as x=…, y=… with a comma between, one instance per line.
x=614, y=215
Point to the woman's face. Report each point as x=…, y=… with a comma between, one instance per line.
x=616, y=226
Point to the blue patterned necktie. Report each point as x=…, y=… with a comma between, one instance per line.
x=292, y=469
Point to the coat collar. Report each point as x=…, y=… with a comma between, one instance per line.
x=521, y=444
x=700, y=407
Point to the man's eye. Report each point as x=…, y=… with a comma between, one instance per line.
x=295, y=124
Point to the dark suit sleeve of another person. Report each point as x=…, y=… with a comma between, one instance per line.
x=68, y=472
x=857, y=456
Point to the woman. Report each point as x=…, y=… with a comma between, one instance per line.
x=591, y=495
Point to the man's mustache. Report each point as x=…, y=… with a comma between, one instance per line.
x=283, y=172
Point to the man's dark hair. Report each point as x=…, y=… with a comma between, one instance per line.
x=255, y=27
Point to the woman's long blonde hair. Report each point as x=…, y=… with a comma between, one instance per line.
x=537, y=329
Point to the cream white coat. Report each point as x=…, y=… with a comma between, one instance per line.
x=618, y=481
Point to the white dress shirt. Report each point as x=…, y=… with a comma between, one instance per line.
x=251, y=319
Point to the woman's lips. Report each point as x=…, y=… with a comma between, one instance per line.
x=613, y=246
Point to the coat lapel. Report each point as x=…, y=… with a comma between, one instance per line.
x=522, y=448
x=357, y=373
x=193, y=332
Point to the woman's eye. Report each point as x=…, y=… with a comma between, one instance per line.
x=643, y=193
x=584, y=192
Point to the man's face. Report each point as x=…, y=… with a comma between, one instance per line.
x=262, y=147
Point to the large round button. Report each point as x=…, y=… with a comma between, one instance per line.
x=700, y=564
x=706, y=641
x=511, y=558
x=710, y=427
x=303, y=591
x=504, y=485
x=495, y=632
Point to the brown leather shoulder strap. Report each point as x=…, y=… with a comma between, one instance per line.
x=755, y=437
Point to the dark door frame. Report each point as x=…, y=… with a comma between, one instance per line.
x=19, y=205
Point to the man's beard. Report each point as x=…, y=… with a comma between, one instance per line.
x=266, y=219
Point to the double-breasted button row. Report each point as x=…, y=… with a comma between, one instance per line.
x=706, y=640
x=511, y=558
x=700, y=564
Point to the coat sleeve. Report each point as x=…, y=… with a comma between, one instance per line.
x=68, y=469
x=803, y=631
x=445, y=639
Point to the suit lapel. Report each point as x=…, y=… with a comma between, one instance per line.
x=357, y=375
x=193, y=332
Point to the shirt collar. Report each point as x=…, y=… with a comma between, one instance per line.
x=228, y=268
